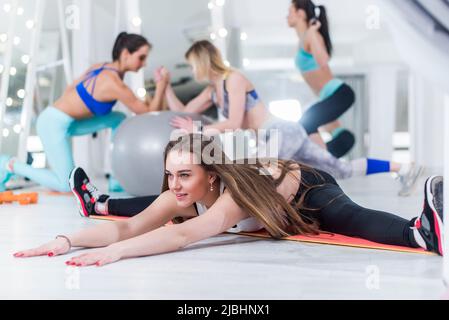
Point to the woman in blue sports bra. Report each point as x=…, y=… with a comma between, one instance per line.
x=336, y=97
x=85, y=108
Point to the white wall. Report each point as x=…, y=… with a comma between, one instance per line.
x=165, y=23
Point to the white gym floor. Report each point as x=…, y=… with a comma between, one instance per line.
x=225, y=267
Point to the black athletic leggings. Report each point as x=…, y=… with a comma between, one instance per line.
x=336, y=213
x=328, y=110
x=129, y=207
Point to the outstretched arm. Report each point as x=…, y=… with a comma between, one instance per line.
x=159, y=213
x=223, y=215
x=237, y=97
x=156, y=102
x=198, y=105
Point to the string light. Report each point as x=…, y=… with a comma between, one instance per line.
x=21, y=93
x=243, y=36
x=9, y=102
x=17, y=41
x=213, y=36
x=227, y=63
x=246, y=62
x=223, y=32
x=25, y=59
x=20, y=11
x=7, y=7
x=17, y=128
x=141, y=92
x=5, y=133
x=3, y=37
x=13, y=71
x=137, y=21
x=210, y=5
x=29, y=24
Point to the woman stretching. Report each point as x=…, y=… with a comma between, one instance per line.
x=241, y=106
x=205, y=197
x=336, y=97
x=85, y=108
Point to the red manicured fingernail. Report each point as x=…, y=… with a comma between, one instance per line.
x=51, y=254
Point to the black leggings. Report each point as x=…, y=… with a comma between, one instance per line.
x=328, y=110
x=336, y=213
x=129, y=207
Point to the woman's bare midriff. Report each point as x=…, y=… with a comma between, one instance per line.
x=71, y=104
x=256, y=117
x=318, y=79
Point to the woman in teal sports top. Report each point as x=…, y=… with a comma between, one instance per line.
x=336, y=97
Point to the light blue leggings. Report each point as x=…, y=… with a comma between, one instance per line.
x=55, y=128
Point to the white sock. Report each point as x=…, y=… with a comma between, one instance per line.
x=419, y=239
x=405, y=169
x=102, y=208
x=359, y=167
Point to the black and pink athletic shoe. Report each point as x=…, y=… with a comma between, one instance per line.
x=430, y=224
x=85, y=192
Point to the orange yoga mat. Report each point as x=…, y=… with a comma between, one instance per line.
x=329, y=239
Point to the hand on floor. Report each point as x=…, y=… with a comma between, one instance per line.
x=55, y=248
x=99, y=258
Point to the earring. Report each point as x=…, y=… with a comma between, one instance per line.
x=212, y=187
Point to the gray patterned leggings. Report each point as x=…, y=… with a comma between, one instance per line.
x=295, y=144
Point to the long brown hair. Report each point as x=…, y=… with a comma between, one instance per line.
x=250, y=185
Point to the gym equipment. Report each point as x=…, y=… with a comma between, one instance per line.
x=23, y=199
x=138, y=151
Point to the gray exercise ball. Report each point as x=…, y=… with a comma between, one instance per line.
x=138, y=151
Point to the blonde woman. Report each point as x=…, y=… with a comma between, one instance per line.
x=241, y=106
x=205, y=197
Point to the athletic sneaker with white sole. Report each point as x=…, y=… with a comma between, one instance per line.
x=408, y=181
x=85, y=192
x=430, y=223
